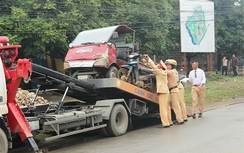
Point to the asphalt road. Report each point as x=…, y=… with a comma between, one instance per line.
x=220, y=130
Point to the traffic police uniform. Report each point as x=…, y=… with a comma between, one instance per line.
x=162, y=90
x=173, y=82
x=182, y=101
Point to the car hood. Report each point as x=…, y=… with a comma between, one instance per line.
x=88, y=52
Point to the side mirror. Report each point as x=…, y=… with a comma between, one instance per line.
x=110, y=44
x=70, y=45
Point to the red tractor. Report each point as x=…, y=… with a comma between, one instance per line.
x=99, y=53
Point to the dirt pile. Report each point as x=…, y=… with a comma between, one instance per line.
x=25, y=98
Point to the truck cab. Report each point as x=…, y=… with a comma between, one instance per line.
x=3, y=91
x=99, y=53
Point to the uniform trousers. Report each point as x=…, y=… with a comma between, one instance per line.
x=163, y=105
x=175, y=101
x=182, y=103
x=198, y=97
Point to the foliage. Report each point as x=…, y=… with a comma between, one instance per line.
x=44, y=27
x=152, y=26
x=229, y=26
x=41, y=137
x=47, y=27
x=213, y=76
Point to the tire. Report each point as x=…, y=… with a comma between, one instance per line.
x=104, y=132
x=3, y=142
x=112, y=72
x=122, y=74
x=118, y=123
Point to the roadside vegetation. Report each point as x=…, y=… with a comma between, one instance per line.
x=218, y=88
x=47, y=27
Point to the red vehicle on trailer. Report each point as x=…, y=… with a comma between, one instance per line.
x=99, y=53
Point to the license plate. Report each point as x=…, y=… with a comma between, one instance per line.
x=83, y=77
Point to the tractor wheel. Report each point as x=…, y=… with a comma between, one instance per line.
x=4, y=142
x=112, y=72
x=119, y=121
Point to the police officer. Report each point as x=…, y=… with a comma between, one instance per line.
x=173, y=82
x=162, y=90
x=182, y=98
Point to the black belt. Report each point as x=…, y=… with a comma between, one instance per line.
x=173, y=88
x=197, y=85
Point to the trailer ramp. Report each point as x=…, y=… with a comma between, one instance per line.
x=91, y=90
x=116, y=88
x=50, y=79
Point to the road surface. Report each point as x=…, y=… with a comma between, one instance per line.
x=221, y=130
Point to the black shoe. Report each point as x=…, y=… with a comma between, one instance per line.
x=194, y=116
x=200, y=115
x=185, y=120
x=161, y=126
x=178, y=123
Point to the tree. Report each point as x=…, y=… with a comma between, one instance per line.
x=152, y=25
x=229, y=25
x=45, y=27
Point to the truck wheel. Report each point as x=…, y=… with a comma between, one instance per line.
x=112, y=72
x=104, y=131
x=4, y=142
x=118, y=122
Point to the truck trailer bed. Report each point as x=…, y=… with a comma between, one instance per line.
x=90, y=90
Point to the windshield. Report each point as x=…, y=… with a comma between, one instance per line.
x=98, y=35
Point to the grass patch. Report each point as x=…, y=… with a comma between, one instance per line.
x=41, y=137
x=218, y=88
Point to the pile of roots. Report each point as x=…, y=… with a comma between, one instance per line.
x=25, y=98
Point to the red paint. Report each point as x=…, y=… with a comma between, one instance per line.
x=92, y=52
x=199, y=32
x=91, y=45
x=4, y=40
x=16, y=118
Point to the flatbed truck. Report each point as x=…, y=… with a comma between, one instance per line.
x=107, y=104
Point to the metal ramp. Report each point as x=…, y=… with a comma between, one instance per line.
x=90, y=90
x=50, y=79
x=116, y=88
